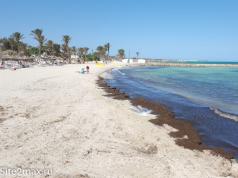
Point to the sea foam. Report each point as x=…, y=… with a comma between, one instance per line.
x=224, y=114
x=141, y=110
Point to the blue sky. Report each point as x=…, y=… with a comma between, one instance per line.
x=172, y=29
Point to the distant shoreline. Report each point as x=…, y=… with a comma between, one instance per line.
x=180, y=64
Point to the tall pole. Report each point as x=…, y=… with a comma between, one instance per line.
x=129, y=56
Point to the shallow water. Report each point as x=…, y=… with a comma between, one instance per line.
x=208, y=97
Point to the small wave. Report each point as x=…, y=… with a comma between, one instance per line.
x=107, y=75
x=117, y=70
x=224, y=114
x=141, y=110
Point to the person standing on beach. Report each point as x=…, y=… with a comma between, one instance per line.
x=87, y=69
x=82, y=71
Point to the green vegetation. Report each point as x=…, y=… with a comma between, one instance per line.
x=107, y=48
x=121, y=53
x=40, y=38
x=93, y=57
x=50, y=48
x=32, y=51
x=16, y=39
x=65, y=48
x=14, y=46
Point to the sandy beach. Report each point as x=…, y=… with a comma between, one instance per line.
x=57, y=118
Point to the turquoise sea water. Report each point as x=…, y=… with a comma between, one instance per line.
x=213, y=87
x=205, y=96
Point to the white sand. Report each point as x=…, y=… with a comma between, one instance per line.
x=57, y=118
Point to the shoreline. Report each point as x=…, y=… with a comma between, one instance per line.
x=186, y=135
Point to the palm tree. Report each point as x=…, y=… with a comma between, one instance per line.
x=5, y=44
x=121, y=53
x=66, y=40
x=12, y=43
x=81, y=52
x=107, y=47
x=85, y=53
x=50, y=47
x=66, y=49
x=73, y=50
x=56, y=49
x=17, y=37
x=39, y=37
x=101, y=51
x=22, y=48
x=137, y=54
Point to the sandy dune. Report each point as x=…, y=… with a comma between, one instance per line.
x=57, y=118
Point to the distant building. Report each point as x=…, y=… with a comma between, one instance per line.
x=141, y=61
x=74, y=57
x=125, y=60
x=134, y=61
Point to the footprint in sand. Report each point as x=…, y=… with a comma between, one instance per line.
x=2, y=114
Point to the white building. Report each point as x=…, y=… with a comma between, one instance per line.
x=141, y=61
x=125, y=60
x=134, y=61
x=74, y=57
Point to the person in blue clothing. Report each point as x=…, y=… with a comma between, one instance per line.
x=82, y=71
